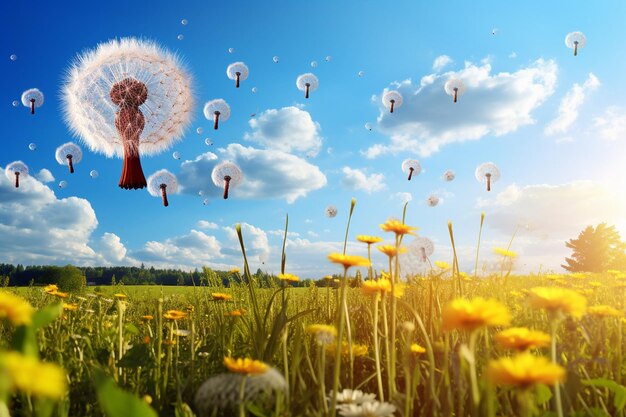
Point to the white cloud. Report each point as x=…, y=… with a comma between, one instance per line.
x=494, y=104
x=267, y=174
x=356, y=179
x=570, y=104
x=611, y=125
x=312, y=233
x=44, y=176
x=254, y=238
x=513, y=55
x=203, y=224
x=441, y=61
x=112, y=249
x=288, y=129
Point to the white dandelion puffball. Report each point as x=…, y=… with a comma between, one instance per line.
x=32, y=98
x=68, y=152
x=13, y=57
x=254, y=90
x=180, y=37
x=368, y=126
x=307, y=82
x=313, y=64
x=184, y=22
x=361, y=73
x=63, y=184
x=15, y=103
x=420, y=249
x=432, y=200
x=162, y=178
x=32, y=146
x=448, y=176
x=216, y=110
x=199, y=130
x=89, y=108
x=575, y=41
x=176, y=155
x=328, y=58
x=237, y=71
x=454, y=87
x=205, y=202
x=331, y=211
x=276, y=59
x=208, y=142
x=15, y=171
x=226, y=175
x=93, y=174
x=487, y=173
x=349, y=396
x=392, y=100
x=231, y=50
x=371, y=408
x=411, y=167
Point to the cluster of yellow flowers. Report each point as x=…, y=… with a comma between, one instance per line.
x=53, y=289
x=466, y=314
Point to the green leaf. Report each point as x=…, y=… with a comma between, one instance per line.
x=131, y=328
x=115, y=402
x=24, y=341
x=619, y=391
x=47, y=315
x=543, y=394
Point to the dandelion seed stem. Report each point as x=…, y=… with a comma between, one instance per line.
x=164, y=195
x=17, y=180
x=32, y=104
x=70, y=163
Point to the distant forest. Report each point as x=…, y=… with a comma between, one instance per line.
x=11, y=275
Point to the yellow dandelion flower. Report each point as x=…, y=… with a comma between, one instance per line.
x=147, y=317
x=120, y=296
x=323, y=333
x=504, y=252
x=391, y=250
x=369, y=239
x=169, y=342
x=604, y=311
x=417, y=349
x=357, y=349
x=397, y=227
x=524, y=370
x=50, y=289
x=328, y=277
x=348, y=260
x=522, y=338
x=59, y=294
x=442, y=265
x=234, y=270
x=384, y=275
x=175, y=315
x=517, y=294
x=70, y=306
x=245, y=366
x=288, y=277
x=235, y=313
x=221, y=296
x=556, y=300
x=29, y=375
x=471, y=314
x=16, y=309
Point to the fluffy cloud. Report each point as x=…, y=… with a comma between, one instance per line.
x=203, y=224
x=493, y=104
x=254, y=238
x=289, y=129
x=611, y=125
x=112, y=250
x=357, y=179
x=441, y=61
x=277, y=174
x=570, y=104
x=44, y=176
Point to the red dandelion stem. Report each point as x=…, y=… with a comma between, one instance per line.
x=423, y=250
x=575, y=48
x=17, y=180
x=456, y=93
x=70, y=163
x=488, y=182
x=392, y=103
x=226, y=186
x=411, y=172
x=237, y=82
x=216, y=120
x=306, y=93
x=164, y=195
x=32, y=106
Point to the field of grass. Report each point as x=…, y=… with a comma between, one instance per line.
x=444, y=344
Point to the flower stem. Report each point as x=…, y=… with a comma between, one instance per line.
x=557, y=388
x=379, y=375
x=340, y=320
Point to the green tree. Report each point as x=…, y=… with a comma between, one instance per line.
x=71, y=279
x=596, y=249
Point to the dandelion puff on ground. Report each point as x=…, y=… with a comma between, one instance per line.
x=32, y=98
x=307, y=82
x=226, y=175
x=487, y=173
x=15, y=170
x=392, y=100
x=575, y=41
x=162, y=182
x=216, y=110
x=237, y=71
x=69, y=154
x=411, y=167
x=454, y=87
x=127, y=98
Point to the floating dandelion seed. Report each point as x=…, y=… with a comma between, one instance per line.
x=128, y=98
x=63, y=184
x=205, y=202
x=93, y=174
x=328, y=58
x=454, y=87
x=176, y=155
x=199, y=130
x=313, y=64
x=254, y=90
x=162, y=182
x=368, y=126
x=180, y=37
x=208, y=142
x=361, y=73
x=263, y=257
x=331, y=211
x=237, y=71
x=432, y=200
x=184, y=22
x=15, y=170
x=411, y=167
x=392, y=100
x=13, y=57
x=448, y=176
x=15, y=103
x=32, y=98
x=231, y=50
x=307, y=82
x=575, y=40
x=200, y=193
x=487, y=172
x=421, y=247
x=226, y=175
x=276, y=59
x=69, y=154
x=216, y=110
x=495, y=31
x=32, y=146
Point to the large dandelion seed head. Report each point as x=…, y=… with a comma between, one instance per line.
x=308, y=78
x=331, y=211
x=217, y=105
x=32, y=94
x=415, y=260
x=88, y=101
x=488, y=169
x=449, y=176
x=237, y=67
x=68, y=149
x=220, y=393
x=16, y=167
x=432, y=200
x=574, y=38
x=452, y=84
x=409, y=164
x=160, y=178
x=392, y=96
x=226, y=169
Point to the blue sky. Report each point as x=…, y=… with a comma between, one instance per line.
x=554, y=124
